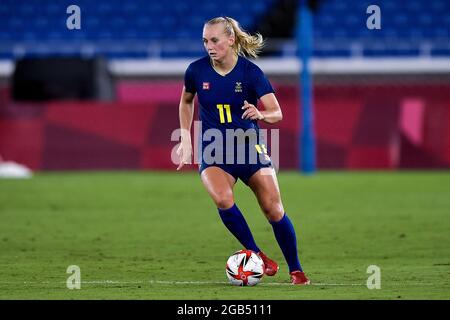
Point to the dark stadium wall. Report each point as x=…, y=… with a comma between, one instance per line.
x=41, y=79
x=357, y=127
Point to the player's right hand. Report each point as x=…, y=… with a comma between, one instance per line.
x=184, y=152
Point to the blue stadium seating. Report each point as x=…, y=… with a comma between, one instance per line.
x=143, y=28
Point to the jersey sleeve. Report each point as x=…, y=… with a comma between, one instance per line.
x=189, y=80
x=261, y=83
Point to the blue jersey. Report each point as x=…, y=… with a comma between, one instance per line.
x=221, y=97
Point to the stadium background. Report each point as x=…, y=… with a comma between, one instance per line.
x=381, y=97
x=91, y=111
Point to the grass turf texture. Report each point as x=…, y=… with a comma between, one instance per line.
x=146, y=235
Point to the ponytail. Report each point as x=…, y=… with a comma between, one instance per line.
x=245, y=44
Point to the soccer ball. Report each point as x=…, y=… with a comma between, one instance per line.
x=244, y=268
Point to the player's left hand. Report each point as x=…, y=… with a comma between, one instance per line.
x=251, y=112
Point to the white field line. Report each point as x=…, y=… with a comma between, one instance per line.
x=164, y=282
x=260, y=284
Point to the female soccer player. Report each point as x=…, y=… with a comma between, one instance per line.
x=228, y=86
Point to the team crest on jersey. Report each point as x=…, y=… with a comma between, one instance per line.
x=205, y=85
x=238, y=87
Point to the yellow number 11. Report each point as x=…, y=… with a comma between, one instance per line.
x=221, y=113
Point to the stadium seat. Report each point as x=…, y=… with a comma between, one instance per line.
x=337, y=21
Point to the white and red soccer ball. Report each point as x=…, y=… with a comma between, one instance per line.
x=244, y=268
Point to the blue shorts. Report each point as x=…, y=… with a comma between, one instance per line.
x=239, y=171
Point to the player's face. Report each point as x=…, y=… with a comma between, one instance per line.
x=217, y=43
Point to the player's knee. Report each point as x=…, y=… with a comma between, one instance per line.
x=224, y=200
x=273, y=211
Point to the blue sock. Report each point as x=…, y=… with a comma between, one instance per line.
x=235, y=222
x=285, y=235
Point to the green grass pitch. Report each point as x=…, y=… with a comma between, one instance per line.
x=148, y=235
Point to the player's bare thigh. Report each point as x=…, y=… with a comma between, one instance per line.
x=219, y=185
x=264, y=185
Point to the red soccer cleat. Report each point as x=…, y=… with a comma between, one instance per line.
x=298, y=277
x=270, y=266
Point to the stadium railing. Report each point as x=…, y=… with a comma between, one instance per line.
x=141, y=58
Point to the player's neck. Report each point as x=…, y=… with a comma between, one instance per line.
x=225, y=66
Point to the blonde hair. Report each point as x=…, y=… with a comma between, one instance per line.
x=245, y=44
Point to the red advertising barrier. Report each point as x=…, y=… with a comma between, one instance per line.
x=356, y=127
